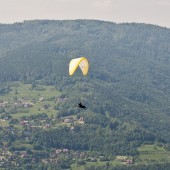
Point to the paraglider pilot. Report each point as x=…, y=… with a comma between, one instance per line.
x=81, y=106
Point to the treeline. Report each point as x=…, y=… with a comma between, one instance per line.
x=152, y=166
x=4, y=88
x=64, y=165
x=92, y=138
x=55, y=166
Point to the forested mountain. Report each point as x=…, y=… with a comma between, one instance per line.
x=127, y=88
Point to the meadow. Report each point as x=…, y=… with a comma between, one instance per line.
x=153, y=153
x=39, y=97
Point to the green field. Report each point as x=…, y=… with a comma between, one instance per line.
x=20, y=90
x=153, y=153
x=98, y=163
x=3, y=123
x=147, y=154
x=24, y=91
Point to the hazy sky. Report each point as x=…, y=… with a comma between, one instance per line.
x=141, y=11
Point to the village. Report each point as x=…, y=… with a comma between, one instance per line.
x=16, y=158
x=40, y=120
x=13, y=157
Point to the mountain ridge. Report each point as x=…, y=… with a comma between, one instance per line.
x=129, y=65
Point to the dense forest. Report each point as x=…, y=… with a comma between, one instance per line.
x=127, y=89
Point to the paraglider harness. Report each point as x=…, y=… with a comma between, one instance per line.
x=81, y=106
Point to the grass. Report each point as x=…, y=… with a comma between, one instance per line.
x=148, y=154
x=3, y=123
x=76, y=167
x=19, y=91
x=153, y=153
x=36, y=109
x=98, y=163
x=25, y=91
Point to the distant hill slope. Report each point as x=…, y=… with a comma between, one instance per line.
x=129, y=76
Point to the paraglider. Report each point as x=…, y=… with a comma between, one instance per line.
x=83, y=63
x=81, y=106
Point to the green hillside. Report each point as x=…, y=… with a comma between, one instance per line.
x=127, y=89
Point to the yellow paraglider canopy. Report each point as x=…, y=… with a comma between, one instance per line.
x=82, y=62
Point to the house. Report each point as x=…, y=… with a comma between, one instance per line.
x=41, y=99
x=72, y=128
x=65, y=150
x=23, y=103
x=58, y=151
x=81, y=119
x=122, y=158
x=60, y=99
x=82, y=155
x=3, y=104
x=47, y=125
x=24, y=122
x=2, y=164
x=27, y=104
x=23, y=154
x=129, y=161
x=68, y=120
